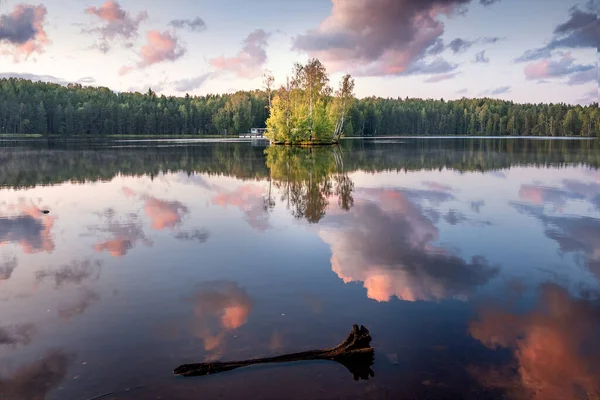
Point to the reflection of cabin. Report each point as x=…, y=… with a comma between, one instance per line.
x=255, y=133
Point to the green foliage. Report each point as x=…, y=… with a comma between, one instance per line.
x=49, y=109
x=308, y=178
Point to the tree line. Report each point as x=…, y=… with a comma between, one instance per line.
x=28, y=107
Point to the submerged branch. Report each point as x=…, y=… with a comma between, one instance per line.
x=355, y=353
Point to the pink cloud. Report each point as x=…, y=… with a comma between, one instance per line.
x=29, y=228
x=380, y=37
x=563, y=67
x=160, y=47
x=117, y=23
x=250, y=60
x=164, y=214
x=23, y=30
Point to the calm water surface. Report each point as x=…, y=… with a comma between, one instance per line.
x=475, y=264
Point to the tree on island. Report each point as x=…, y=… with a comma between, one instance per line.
x=303, y=111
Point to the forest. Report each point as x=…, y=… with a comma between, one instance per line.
x=28, y=107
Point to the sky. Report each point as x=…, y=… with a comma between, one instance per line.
x=530, y=51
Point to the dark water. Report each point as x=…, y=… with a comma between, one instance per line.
x=475, y=264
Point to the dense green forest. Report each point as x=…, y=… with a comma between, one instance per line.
x=54, y=161
x=41, y=108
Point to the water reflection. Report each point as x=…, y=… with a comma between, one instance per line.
x=308, y=178
x=555, y=347
x=6, y=268
x=220, y=307
x=123, y=234
x=412, y=223
x=573, y=234
x=386, y=242
x=37, y=379
x=27, y=226
x=19, y=334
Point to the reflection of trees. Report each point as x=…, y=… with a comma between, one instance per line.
x=85, y=162
x=556, y=347
x=307, y=178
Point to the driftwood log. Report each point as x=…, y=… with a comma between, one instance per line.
x=355, y=353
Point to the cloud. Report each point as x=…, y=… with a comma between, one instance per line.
x=250, y=60
x=249, y=199
x=581, y=30
x=546, y=69
x=116, y=24
x=462, y=91
x=160, y=47
x=558, y=197
x=496, y=91
x=86, y=299
x=579, y=235
x=19, y=334
x=7, y=268
x=488, y=2
x=590, y=97
x=219, y=307
x=29, y=228
x=555, y=347
x=387, y=242
x=436, y=66
x=199, y=235
x=459, y=45
x=384, y=37
x=438, y=187
x=124, y=234
x=195, y=25
x=45, y=78
x=164, y=214
x=22, y=30
x=38, y=379
x=583, y=77
x=75, y=273
x=185, y=85
x=381, y=37
x=481, y=58
x=441, y=77
x=454, y=217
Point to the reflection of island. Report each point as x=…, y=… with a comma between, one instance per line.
x=29, y=228
x=386, y=242
x=308, y=178
x=556, y=347
x=220, y=307
x=35, y=380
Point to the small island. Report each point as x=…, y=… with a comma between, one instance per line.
x=305, y=111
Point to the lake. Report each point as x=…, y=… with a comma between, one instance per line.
x=474, y=263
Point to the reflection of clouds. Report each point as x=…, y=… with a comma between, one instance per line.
x=558, y=197
x=438, y=187
x=74, y=273
x=85, y=299
x=7, y=268
x=164, y=214
x=249, y=199
x=19, y=334
x=556, y=347
x=35, y=380
x=29, y=228
x=123, y=234
x=476, y=206
x=386, y=242
x=200, y=235
x=572, y=233
x=219, y=307
x=454, y=217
